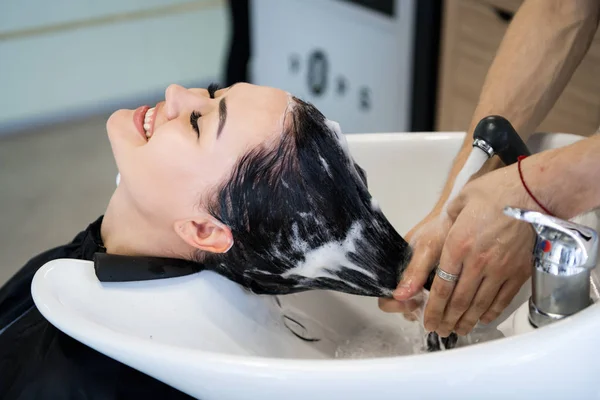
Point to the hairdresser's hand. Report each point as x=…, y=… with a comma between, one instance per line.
x=426, y=240
x=491, y=252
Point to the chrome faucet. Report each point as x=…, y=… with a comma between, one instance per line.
x=564, y=255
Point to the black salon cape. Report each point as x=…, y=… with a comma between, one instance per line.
x=38, y=361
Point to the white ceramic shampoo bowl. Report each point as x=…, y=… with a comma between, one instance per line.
x=213, y=340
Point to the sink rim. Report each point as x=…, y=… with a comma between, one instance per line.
x=95, y=335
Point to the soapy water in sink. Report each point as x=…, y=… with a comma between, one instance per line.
x=388, y=341
x=383, y=335
x=361, y=337
x=381, y=341
x=391, y=339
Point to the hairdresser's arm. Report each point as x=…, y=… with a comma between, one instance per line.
x=566, y=180
x=540, y=51
x=542, y=47
x=492, y=252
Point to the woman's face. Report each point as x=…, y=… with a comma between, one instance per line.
x=172, y=154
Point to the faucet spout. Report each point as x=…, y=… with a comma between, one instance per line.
x=563, y=257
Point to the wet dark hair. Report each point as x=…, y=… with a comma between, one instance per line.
x=302, y=217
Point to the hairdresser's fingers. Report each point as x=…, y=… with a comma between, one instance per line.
x=463, y=294
x=484, y=298
x=426, y=240
x=406, y=308
x=412, y=305
x=441, y=291
x=395, y=306
x=455, y=250
x=507, y=292
x=414, y=277
x=468, y=287
x=456, y=206
x=389, y=305
x=410, y=316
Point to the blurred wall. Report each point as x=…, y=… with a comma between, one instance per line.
x=62, y=59
x=353, y=62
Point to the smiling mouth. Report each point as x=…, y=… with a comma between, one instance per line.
x=149, y=122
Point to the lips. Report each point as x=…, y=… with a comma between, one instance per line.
x=138, y=120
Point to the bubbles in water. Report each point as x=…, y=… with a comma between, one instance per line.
x=391, y=340
x=381, y=341
x=479, y=334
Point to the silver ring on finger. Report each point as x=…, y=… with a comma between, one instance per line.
x=448, y=277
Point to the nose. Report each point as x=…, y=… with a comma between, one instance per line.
x=178, y=98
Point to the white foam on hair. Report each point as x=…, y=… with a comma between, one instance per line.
x=325, y=165
x=297, y=243
x=335, y=128
x=307, y=215
x=330, y=258
x=261, y=271
x=291, y=104
x=375, y=204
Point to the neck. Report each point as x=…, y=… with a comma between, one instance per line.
x=126, y=231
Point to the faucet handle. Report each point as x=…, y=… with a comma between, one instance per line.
x=564, y=247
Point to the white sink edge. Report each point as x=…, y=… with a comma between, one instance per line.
x=537, y=341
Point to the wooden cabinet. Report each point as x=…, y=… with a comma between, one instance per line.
x=471, y=33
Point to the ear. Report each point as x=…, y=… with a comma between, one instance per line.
x=205, y=233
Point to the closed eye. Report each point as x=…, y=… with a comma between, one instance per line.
x=195, y=115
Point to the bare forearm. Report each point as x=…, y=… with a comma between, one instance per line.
x=566, y=180
x=543, y=46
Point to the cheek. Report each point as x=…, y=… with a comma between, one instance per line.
x=169, y=179
x=160, y=178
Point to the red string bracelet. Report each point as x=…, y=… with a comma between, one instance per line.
x=527, y=189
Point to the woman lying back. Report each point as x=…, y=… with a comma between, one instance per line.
x=248, y=181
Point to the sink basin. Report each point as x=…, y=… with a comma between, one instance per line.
x=212, y=339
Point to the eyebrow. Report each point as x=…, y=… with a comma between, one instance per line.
x=222, y=116
x=223, y=112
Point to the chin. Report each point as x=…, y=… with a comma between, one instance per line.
x=117, y=118
x=115, y=123
x=119, y=136
x=120, y=129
